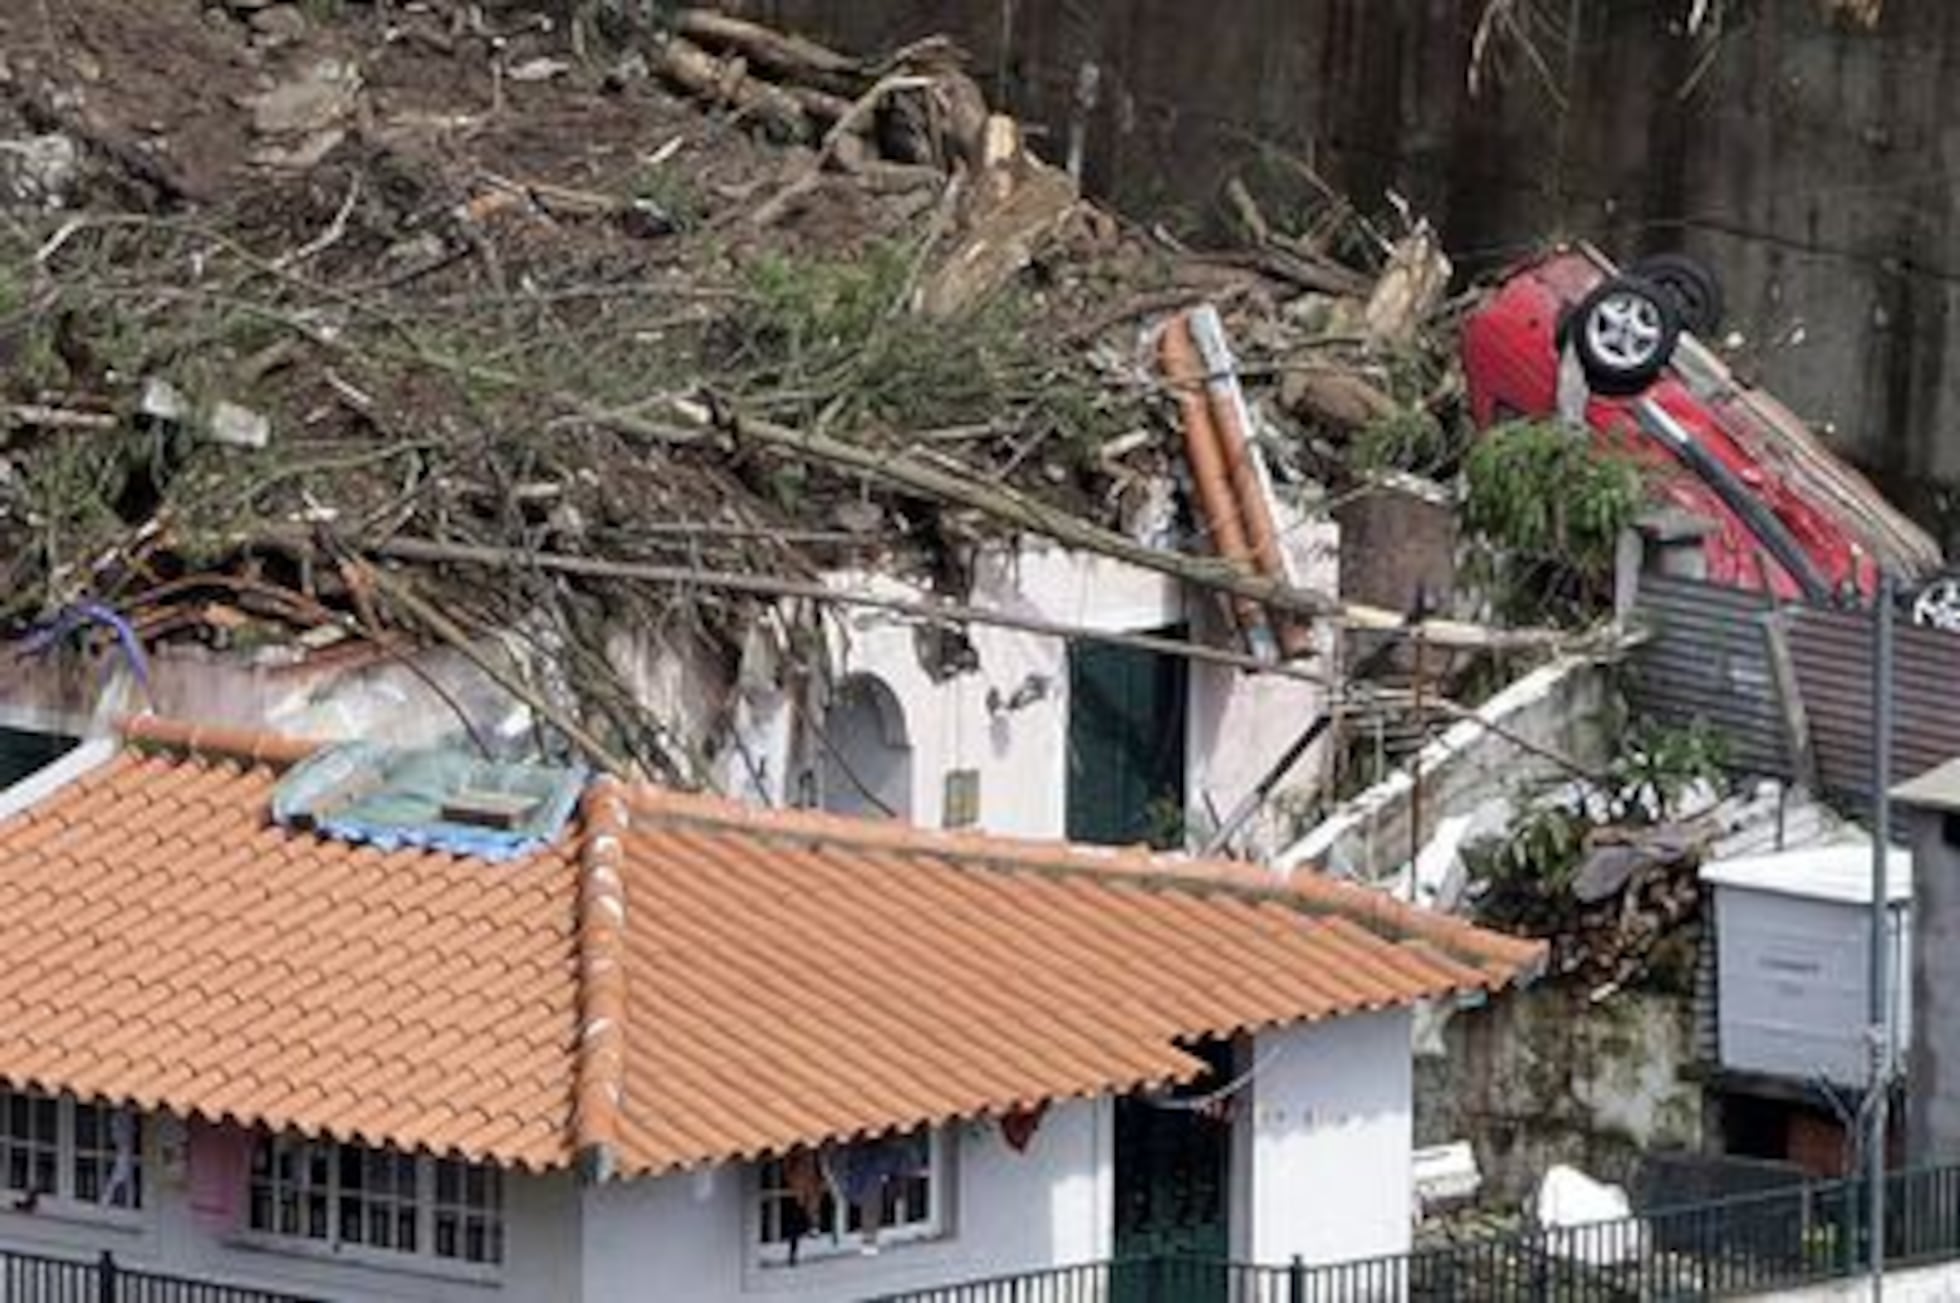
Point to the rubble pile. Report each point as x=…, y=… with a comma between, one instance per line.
x=287, y=290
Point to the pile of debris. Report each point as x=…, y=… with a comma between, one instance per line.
x=613, y=312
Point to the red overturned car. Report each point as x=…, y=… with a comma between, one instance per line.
x=1572, y=335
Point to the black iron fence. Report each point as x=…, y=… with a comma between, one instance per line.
x=33, y=1278
x=1759, y=1244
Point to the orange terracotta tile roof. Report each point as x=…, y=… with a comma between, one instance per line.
x=166, y=945
x=796, y=976
x=684, y=981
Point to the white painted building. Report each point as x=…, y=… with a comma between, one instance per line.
x=1320, y=1168
x=1041, y=1097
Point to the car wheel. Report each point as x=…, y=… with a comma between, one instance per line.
x=1695, y=289
x=1937, y=605
x=1625, y=332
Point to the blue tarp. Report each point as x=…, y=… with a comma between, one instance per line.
x=377, y=796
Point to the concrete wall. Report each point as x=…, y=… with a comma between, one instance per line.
x=1933, y=1080
x=1559, y=707
x=1545, y=1076
x=1939, y=1284
x=1812, y=162
x=1324, y=1143
x=542, y=1247
x=691, y=1238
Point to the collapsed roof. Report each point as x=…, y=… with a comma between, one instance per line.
x=414, y=284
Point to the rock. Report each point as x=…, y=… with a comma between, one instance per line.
x=322, y=98
x=303, y=156
x=278, y=25
x=164, y=401
x=38, y=169
x=1328, y=395
x=540, y=69
x=238, y=427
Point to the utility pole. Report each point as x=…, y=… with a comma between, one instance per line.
x=1881, y=930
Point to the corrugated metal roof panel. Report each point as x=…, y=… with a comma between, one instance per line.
x=1708, y=662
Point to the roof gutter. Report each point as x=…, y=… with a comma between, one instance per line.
x=72, y=767
x=601, y=1051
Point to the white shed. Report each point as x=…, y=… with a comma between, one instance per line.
x=1793, y=933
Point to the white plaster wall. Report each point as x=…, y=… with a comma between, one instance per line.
x=541, y=1248
x=1939, y=1284
x=1325, y=1143
x=1238, y=724
x=691, y=1238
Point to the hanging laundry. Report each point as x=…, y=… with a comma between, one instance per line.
x=1018, y=1127
x=120, y=1190
x=864, y=1172
x=803, y=1177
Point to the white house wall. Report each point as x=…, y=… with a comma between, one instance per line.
x=691, y=1238
x=1326, y=1136
x=541, y=1248
x=1238, y=725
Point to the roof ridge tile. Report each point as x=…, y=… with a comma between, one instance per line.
x=601, y=1063
x=248, y=747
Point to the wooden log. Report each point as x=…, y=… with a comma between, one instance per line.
x=785, y=55
x=693, y=70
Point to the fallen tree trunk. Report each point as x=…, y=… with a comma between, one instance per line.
x=795, y=58
x=1000, y=503
x=726, y=82
x=432, y=551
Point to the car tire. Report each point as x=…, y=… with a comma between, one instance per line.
x=1696, y=290
x=1625, y=332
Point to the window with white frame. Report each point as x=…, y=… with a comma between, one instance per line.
x=349, y=1198
x=80, y=1155
x=852, y=1198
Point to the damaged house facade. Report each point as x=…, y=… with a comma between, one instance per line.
x=592, y=707
x=358, y=1022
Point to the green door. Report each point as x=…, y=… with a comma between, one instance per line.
x=1126, y=736
x=1173, y=1184
x=1125, y=746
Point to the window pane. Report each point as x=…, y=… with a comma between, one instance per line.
x=351, y=1230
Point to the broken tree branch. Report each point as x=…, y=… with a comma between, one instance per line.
x=999, y=502
x=772, y=209
x=448, y=631
x=782, y=53
x=760, y=585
